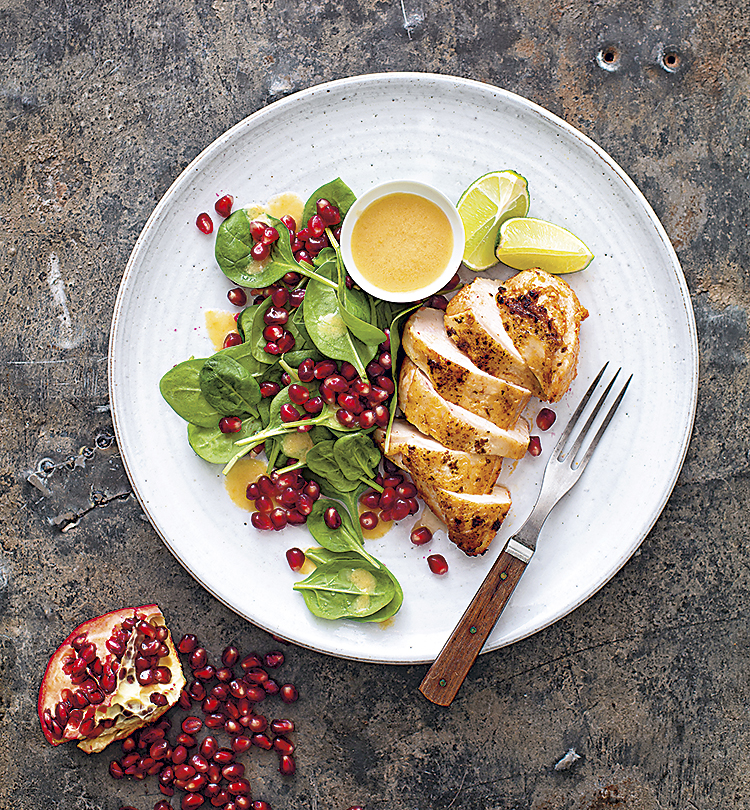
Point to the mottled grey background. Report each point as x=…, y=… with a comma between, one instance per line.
x=103, y=104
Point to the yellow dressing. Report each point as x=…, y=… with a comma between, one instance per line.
x=363, y=579
x=245, y=471
x=401, y=242
x=219, y=325
x=286, y=204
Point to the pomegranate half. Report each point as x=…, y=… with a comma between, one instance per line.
x=111, y=675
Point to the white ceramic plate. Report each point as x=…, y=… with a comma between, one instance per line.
x=444, y=131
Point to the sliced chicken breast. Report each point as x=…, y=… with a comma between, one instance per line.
x=472, y=520
x=473, y=322
x=542, y=315
x=437, y=466
x=452, y=425
x=455, y=376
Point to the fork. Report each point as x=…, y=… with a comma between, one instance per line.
x=564, y=468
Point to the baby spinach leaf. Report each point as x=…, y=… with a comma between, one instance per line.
x=217, y=447
x=228, y=387
x=181, y=388
x=321, y=556
x=243, y=354
x=321, y=460
x=357, y=457
x=245, y=321
x=328, y=330
x=233, y=245
x=346, y=589
x=336, y=192
x=344, y=538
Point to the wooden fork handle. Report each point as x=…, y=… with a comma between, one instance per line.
x=450, y=668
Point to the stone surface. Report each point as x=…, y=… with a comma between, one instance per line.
x=103, y=104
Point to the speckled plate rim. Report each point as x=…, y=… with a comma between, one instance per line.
x=683, y=305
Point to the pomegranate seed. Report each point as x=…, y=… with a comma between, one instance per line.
x=192, y=725
x=298, y=394
x=287, y=766
x=328, y=212
x=324, y=369
x=280, y=296
x=260, y=251
x=261, y=521
x=289, y=413
x=230, y=424
x=346, y=418
x=115, y=770
x=273, y=333
x=366, y=419
x=180, y=753
x=257, y=229
x=303, y=256
x=368, y=521
x=269, y=389
x=296, y=558
x=250, y=662
x=286, y=342
x=385, y=361
x=275, y=316
x=232, y=339
x=438, y=302
x=438, y=564
x=314, y=405
x=230, y=656
x=191, y=801
x=261, y=805
x=406, y=490
x=204, y=223
x=332, y=517
x=382, y=415
x=315, y=244
x=545, y=419
x=289, y=222
x=296, y=518
x=535, y=446
x=400, y=509
x=223, y=205
x=283, y=745
x=420, y=535
x=296, y=297
x=262, y=741
x=278, y=517
x=337, y=383
x=282, y=726
x=374, y=369
x=386, y=383
x=241, y=744
x=270, y=235
x=289, y=693
x=306, y=370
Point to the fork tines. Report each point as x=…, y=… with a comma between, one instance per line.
x=559, y=451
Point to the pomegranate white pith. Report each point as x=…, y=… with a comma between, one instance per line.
x=112, y=675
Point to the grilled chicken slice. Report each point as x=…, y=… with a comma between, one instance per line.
x=452, y=425
x=542, y=315
x=453, y=374
x=428, y=461
x=472, y=520
x=473, y=322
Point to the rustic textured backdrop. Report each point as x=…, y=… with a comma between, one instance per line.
x=103, y=104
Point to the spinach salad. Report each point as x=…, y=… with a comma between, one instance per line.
x=307, y=381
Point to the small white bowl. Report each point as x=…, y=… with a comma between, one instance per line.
x=403, y=187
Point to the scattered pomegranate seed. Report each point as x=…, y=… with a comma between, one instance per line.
x=535, y=446
x=230, y=424
x=237, y=297
x=438, y=564
x=420, y=535
x=204, y=223
x=223, y=205
x=332, y=517
x=545, y=419
x=232, y=339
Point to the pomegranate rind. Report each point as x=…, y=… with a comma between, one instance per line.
x=128, y=707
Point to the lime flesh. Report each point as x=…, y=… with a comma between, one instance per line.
x=484, y=206
x=525, y=242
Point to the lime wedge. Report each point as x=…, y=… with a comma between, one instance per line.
x=483, y=207
x=525, y=242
